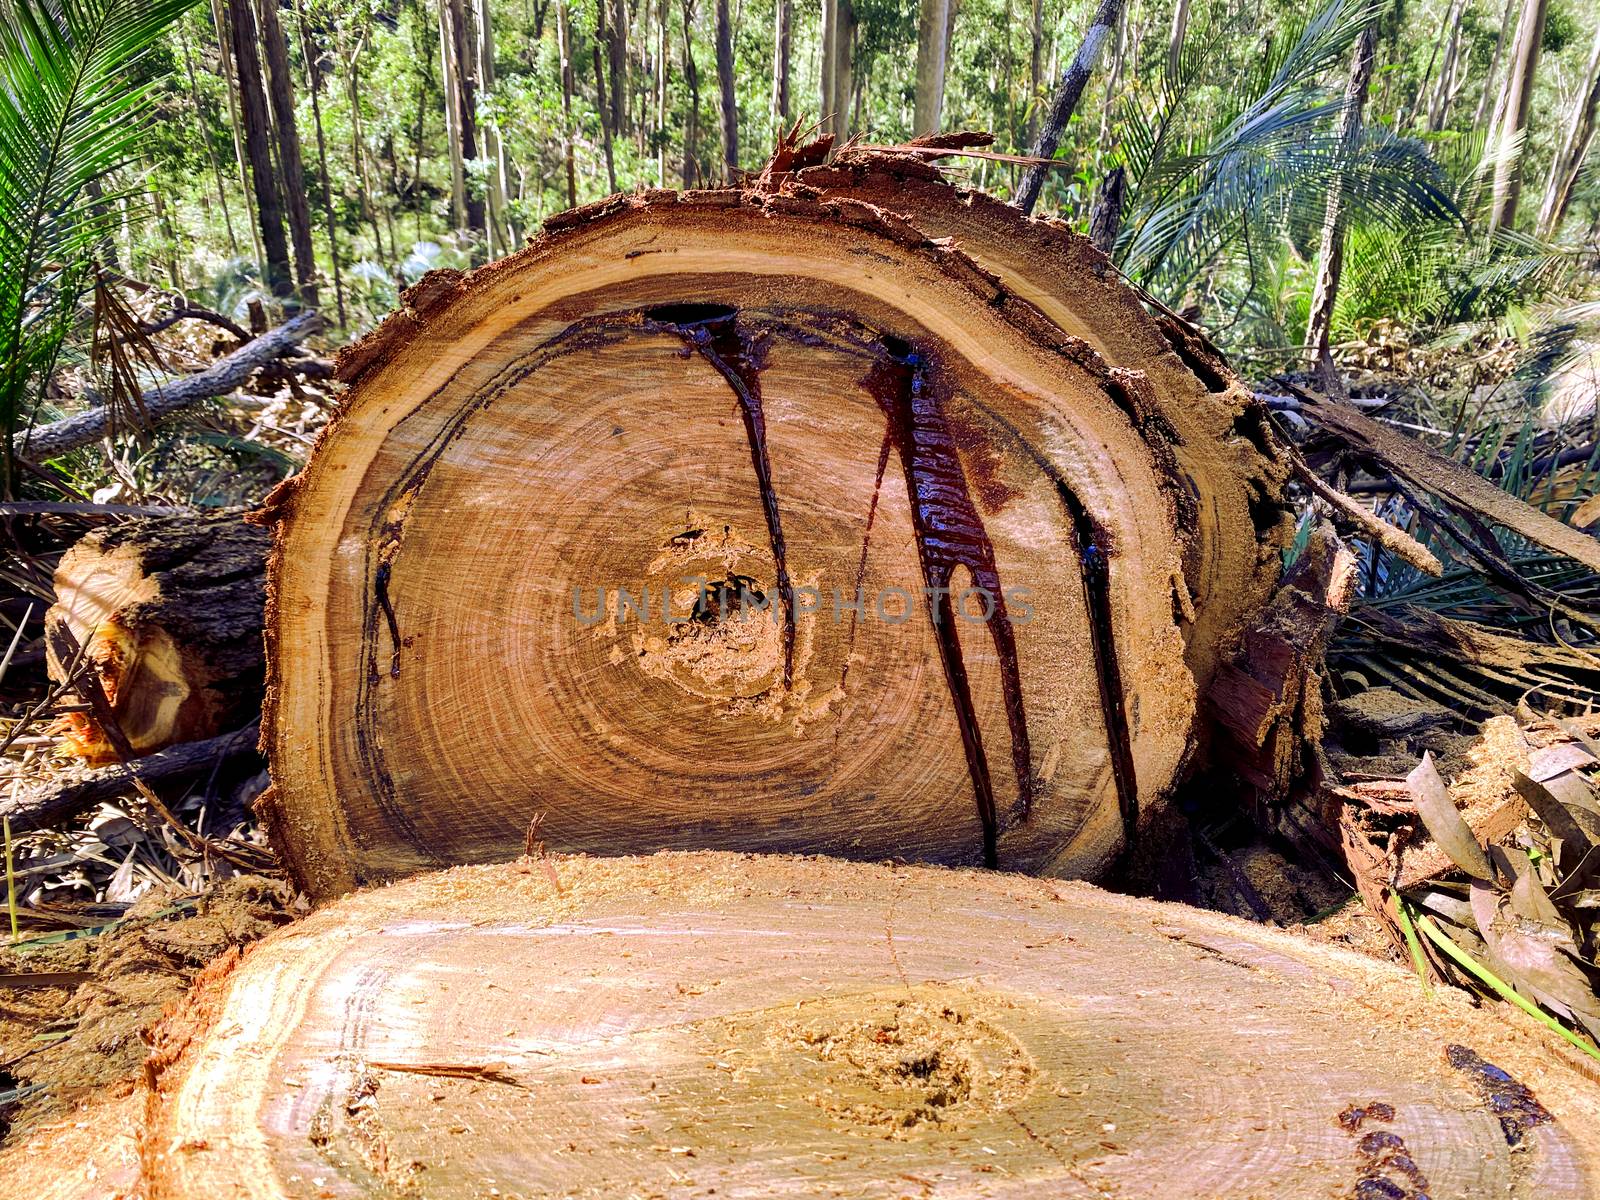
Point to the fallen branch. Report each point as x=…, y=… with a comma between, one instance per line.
x=83, y=429
x=1459, y=488
x=50, y=806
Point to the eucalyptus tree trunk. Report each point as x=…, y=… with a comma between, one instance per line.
x=1574, y=148
x=1450, y=71
x=933, y=49
x=314, y=86
x=1330, y=261
x=729, y=98
x=1036, y=70
x=1180, y=31
x=1516, y=101
x=452, y=135
x=280, y=91
x=607, y=140
x=617, y=59
x=782, y=36
x=844, y=45
x=219, y=17
x=499, y=217
x=257, y=123
x=691, y=76
x=461, y=48
x=564, y=48
x=662, y=71
x=1119, y=55
x=1065, y=101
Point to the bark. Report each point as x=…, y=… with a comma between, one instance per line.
x=564, y=49
x=1515, y=105
x=692, y=175
x=314, y=74
x=1069, y=90
x=605, y=124
x=168, y=611
x=782, y=34
x=236, y=126
x=578, y=989
x=499, y=186
x=1106, y=219
x=452, y=129
x=257, y=124
x=45, y=442
x=297, y=205
x=1451, y=73
x=1036, y=71
x=617, y=56
x=837, y=68
x=1128, y=620
x=1574, y=147
x=1330, y=260
x=933, y=50
x=463, y=62
x=1180, y=32
x=725, y=86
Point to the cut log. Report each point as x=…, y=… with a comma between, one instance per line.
x=745, y=1026
x=168, y=612
x=925, y=575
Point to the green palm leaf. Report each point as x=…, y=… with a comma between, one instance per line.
x=70, y=115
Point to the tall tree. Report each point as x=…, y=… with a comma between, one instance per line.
x=1489, y=93
x=617, y=54
x=452, y=134
x=461, y=48
x=219, y=18
x=1036, y=71
x=782, y=37
x=933, y=51
x=1516, y=101
x=729, y=98
x=1330, y=262
x=205, y=139
x=314, y=81
x=1069, y=90
x=257, y=121
x=564, y=49
x=498, y=181
x=1180, y=32
x=691, y=77
x=1574, y=147
x=280, y=92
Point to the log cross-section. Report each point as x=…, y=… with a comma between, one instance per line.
x=609, y=535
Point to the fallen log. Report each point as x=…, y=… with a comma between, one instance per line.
x=756, y=520
x=800, y=1027
x=168, y=611
x=58, y=802
x=160, y=403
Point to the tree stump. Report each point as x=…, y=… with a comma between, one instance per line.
x=751, y=520
x=167, y=611
x=768, y=1026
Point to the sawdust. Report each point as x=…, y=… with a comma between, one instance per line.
x=72, y=1040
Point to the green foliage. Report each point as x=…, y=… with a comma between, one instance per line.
x=71, y=113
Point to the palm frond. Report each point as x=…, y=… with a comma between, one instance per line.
x=71, y=114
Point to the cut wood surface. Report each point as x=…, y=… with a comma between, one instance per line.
x=800, y=1027
x=168, y=612
x=800, y=403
